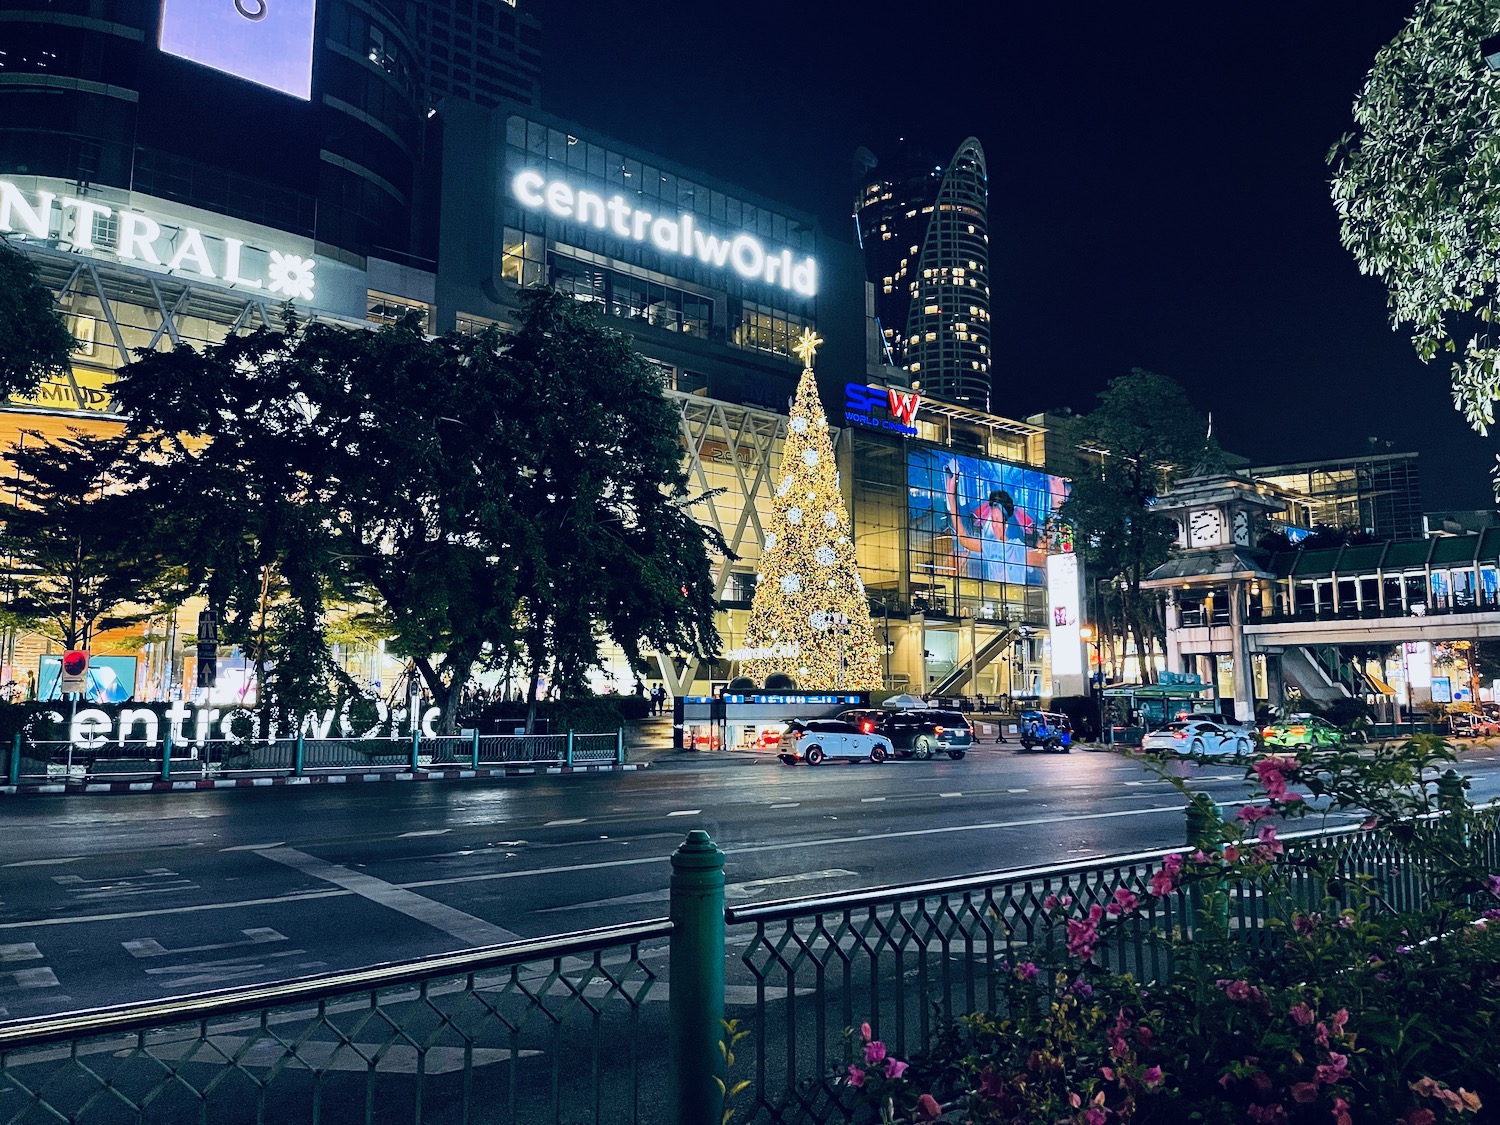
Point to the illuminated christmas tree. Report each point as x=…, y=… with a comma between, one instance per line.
x=809, y=617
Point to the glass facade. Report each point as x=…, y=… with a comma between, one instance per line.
x=1381, y=494
x=630, y=277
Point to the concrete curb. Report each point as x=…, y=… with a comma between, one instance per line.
x=51, y=789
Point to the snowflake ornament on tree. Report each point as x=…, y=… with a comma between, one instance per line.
x=808, y=534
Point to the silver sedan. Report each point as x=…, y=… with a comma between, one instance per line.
x=1197, y=736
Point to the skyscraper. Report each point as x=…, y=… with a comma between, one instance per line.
x=925, y=233
x=482, y=51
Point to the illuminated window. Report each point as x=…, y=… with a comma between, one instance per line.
x=385, y=308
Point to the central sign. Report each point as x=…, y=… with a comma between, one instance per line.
x=130, y=236
x=744, y=253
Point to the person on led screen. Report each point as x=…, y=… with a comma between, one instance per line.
x=997, y=535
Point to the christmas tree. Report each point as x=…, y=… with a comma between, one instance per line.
x=809, y=617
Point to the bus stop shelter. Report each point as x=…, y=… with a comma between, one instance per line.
x=1134, y=709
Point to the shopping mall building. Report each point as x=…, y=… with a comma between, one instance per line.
x=341, y=189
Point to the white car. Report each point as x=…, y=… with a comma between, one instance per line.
x=814, y=741
x=1197, y=736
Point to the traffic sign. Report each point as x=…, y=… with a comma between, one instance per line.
x=75, y=671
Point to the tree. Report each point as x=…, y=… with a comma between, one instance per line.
x=79, y=554
x=1142, y=433
x=1414, y=187
x=34, y=340
x=604, y=542
x=809, y=617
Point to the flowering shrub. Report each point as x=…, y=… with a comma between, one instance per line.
x=1353, y=999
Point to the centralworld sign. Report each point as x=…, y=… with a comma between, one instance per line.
x=745, y=254
x=138, y=239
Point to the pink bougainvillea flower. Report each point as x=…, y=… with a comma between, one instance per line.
x=1049, y=903
x=1251, y=813
x=1419, y=1116
x=1341, y=1112
x=1231, y=853
x=874, y=1052
x=856, y=1076
x=1272, y=771
x=1235, y=989
x=1492, y=884
x=1151, y=1077
x=1095, y=1115
x=1274, y=1114
x=1026, y=971
x=991, y=1085
x=1083, y=933
x=1305, y=1093
x=895, y=1068
x=1124, y=902
x=1301, y=1014
x=928, y=1108
x=1199, y=856
x=1336, y=1069
x=1320, y=1034
x=865, y=1033
x=1305, y=924
x=1107, y=1073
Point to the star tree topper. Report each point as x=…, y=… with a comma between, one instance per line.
x=806, y=347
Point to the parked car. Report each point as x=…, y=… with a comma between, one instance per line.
x=814, y=741
x=1301, y=730
x=919, y=732
x=1198, y=736
x=1219, y=719
x=1050, y=730
x=1468, y=724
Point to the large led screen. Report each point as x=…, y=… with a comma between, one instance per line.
x=979, y=519
x=110, y=679
x=265, y=41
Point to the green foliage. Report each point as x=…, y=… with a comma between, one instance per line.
x=76, y=534
x=729, y=1087
x=1353, y=996
x=487, y=497
x=34, y=340
x=1414, y=187
x=1142, y=433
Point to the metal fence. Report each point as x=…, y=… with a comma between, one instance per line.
x=561, y=1030
x=532, y=1032
x=64, y=761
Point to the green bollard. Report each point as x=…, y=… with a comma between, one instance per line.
x=1203, y=823
x=697, y=975
x=166, y=757
x=619, y=746
x=416, y=749
x=475, y=758
x=568, y=759
x=15, y=760
x=301, y=755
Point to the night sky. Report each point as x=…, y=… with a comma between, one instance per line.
x=1158, y=185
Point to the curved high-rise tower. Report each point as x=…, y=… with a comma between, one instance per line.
x=925, y=233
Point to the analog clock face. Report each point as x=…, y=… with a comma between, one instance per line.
x=1204, y=528
x=1242, y=528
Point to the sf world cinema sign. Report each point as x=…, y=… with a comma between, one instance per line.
x=141, y=240
x=743, y=253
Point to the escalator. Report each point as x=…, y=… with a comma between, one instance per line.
x=1301, y=669
x=957, y=680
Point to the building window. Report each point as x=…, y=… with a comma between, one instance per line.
x=386, y=308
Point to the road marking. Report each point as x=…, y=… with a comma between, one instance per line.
x=424, y=832
x=950, y=794
x=30, y=978
x=564, y=823
x=789, y=805
x=870, y=800
x=333, y=1055
x=22, y=951
x=45, y=862
x=1015, y=790
x=198, y=974
x=731, y=890
x=686, y=812
x=602, y=865
x=255, y=847
x=150, y=947
x=439, y=916
x=155, y=881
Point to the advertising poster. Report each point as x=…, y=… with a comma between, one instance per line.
x=111, y=679
x=1064, y=593
x=1442, y=690
x=269, y=42
x=981, y=519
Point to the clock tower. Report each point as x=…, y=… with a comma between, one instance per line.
x=1214, y=582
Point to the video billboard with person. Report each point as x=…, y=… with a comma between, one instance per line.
x=981, y=519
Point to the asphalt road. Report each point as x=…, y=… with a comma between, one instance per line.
x=110, y=899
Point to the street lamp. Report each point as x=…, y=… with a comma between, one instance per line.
x=840, y=624
x=1091, y=638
